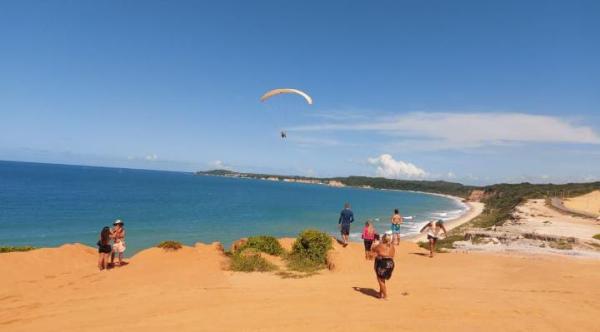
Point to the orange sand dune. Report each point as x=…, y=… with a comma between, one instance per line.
x=588, y=203
x=61, y=290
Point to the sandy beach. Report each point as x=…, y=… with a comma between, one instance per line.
x=61, y=290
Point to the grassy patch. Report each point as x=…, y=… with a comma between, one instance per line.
x=309, y=251
x=15, y=249
x=562, y=245
x=250, y=260
x=170, y=245
x=444, y=244
x=264, y=243
x=597, y=236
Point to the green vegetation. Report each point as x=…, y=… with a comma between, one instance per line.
x=440, y=187
x=264, y=243
x=561, y=244
x=250, y=260
x=443, y=244
x=15, y=249
x=501, y=199
x=170, y=245
x=309, y=251
x=597, y=236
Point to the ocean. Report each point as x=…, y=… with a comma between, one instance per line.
x=46, y=205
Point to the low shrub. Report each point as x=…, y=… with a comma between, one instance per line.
x=309, y=251
x=443, y=244
x=597, y=236
x=264, y=243
x=15, y=249
x=250, y=260
x=561, y=245
x=170, y=245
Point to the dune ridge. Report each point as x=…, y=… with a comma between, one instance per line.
x=60, y=289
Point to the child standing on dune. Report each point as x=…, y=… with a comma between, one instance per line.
x=368, y=236
x=104, y=248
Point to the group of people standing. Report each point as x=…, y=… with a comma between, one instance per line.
x=111, y=243
x=382, y=248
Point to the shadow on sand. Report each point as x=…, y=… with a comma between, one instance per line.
x=367, y=291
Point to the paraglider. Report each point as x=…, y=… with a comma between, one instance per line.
x=276, y=92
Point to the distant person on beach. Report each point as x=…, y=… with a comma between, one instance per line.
x=118, y=236
x=368, y=236
x=433, y=230
x=104, y=248
x=396, y=222
x=384, y=263
x=346, y=218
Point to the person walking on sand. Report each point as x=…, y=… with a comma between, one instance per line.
x=433, y=229
x=346, y=218
x=118, y=236
x=397, y=220
x=104, y=248
x=368, y=236
x=384, y=263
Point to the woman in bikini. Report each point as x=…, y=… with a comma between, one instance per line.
x=396, y=221
x=433, y=233
x=384, y=263
x=104, y=248
x=118, y=236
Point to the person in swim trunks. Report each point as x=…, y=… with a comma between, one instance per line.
x=346, y=218
x=433, y=229
x=396, y=222
x=384, y=263
x=104, y=248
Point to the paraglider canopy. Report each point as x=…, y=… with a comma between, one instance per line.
x=275, y=92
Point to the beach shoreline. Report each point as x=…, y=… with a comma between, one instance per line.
x=473, y=211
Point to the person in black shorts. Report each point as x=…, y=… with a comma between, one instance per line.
x=346, y=218
x=384, y=263
x=368, y=236
x=104, y=248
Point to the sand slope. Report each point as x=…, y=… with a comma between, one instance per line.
x=61, y=290
x=588, y=203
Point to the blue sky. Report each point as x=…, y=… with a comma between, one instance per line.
x=469, y=91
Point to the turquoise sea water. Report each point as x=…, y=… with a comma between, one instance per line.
x=48, y=205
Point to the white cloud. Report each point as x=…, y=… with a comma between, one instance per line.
x=470, y=130
x=151, y=157
x=388, y=167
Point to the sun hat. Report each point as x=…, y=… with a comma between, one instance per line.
x=118, y=222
